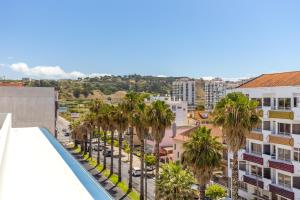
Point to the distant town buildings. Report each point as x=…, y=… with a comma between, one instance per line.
x=214, y=90
x=269, y=166
x=184, y=90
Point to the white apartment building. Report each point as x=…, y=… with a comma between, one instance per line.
x=269, y=167
x=184, y=90
x=179, y=108
x=214, y=90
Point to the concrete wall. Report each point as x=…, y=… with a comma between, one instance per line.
x=30, y=106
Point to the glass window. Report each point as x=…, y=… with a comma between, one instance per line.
x=174, y=146
x=267, y=125
x=284, y=103
x=284, y=154
x=296, y=129
x=297, y=154
x=243, y=186
x=256, y=148
x=284, y=180
x=256, y=171
x=284, y=129
x=267, y=101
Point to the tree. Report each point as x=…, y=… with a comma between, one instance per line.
x=131, y=100
x=215, y=192
x=121, y=120
x=202, y=155
x=76, y=92
x=141, y=123
x=160, y=117
x=175, y=183
x=237, y=115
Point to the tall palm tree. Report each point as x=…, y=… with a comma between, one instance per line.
x=74, y=126
x=106, y=121
x=121, y=120
x=131, y=100
x=112, y=125
x=89, y=122
x=141, y=123
x=237, y=115
x=96, y=106
x=202, y=155
x=160, y=117
x=175, y=183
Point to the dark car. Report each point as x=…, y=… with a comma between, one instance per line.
x=107, y=153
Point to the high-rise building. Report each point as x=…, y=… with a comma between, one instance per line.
x=269, y=166
x=214, y=90
x=184, y=90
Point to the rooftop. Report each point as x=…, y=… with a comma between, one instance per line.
x=274, y=80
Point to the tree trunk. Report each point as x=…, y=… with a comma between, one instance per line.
x=142, y=170
x=81, y=146
x=112, y=152
x=90, y=149
x=131, y=157
x=146, y=177
x=98, y=148
x=157, y=155
x=120, y=157
x=202, y=191
x=85, y=145
x=104, y=150
x=235, y=177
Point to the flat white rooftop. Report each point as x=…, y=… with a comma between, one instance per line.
x=35, y=166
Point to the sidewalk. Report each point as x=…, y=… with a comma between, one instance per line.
x=113, y=190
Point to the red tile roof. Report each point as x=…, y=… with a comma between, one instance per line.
x=11, y=84
x=274, y=80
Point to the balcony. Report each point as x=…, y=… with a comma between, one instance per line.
x=280, y=139
x=281, y=114
x=255, y=136
x=277, y=190
x=253, y=181
x=281, y=165
x=253, y=158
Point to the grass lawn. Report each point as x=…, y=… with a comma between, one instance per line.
x=134, y=195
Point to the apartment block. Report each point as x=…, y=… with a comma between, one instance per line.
x=214, y=90
x=184, y=90
x=269, y=166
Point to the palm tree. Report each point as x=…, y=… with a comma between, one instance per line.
x=237, y=115
x=74, y=126
x=112, y=125
x=121, y=120
x=131, y=100
x=175, y=183
x=202, y=155
x=160, y=117
x=106, y=124
x=89, y=123
x=141, y=123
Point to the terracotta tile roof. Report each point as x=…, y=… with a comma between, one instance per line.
x=215, y=131
x=11, y=84
x=274, y=80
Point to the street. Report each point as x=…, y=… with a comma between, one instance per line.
x=63, y=124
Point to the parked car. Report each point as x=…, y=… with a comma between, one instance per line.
x=136, y=171
x=108, y=153
x=67, y=134
x=150, y=168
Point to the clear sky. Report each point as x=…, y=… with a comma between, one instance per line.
x=226, y=38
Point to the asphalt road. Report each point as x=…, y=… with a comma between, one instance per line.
x=63, y=124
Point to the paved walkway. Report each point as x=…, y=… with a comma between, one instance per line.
x=113, y=190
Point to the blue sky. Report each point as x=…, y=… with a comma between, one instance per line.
x=226, y=38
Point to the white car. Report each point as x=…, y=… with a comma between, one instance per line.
x=136, y=171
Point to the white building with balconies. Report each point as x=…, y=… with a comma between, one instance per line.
x=269, y=167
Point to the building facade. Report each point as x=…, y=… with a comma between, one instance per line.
x=269, y=166
x=184, y=90
x=214, y=90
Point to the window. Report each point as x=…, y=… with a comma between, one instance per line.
x=267, y=102
x=297, y=154
x=267, y=125
x=243, y=186
x=284, y=154
x=258, y=101
x=284, y=129
x=267, y=173
x=258, y=127
x=256, y=171
x=296, y=101
x=177, y=154
x=174, y=146
x=256, y=148
x=284, y=180
x=296, y=129
x=242, y=165
x=284, y=103
x=267, y=149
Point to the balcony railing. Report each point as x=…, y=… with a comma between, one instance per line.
x=281, y=114
x=281, y=165
x=253, y=181
x=277, y=190
x=255, y=136
x=281, y=139
x=253, y=158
